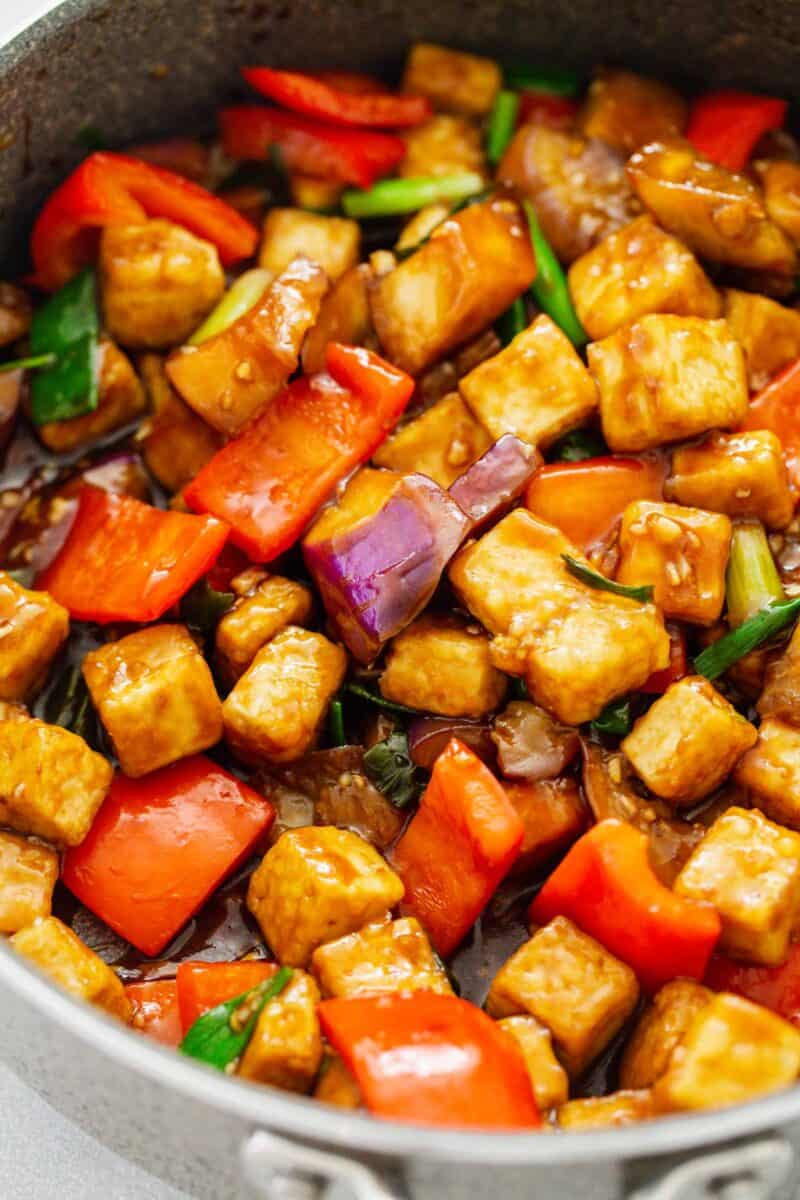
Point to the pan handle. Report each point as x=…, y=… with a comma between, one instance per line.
x=280, y=1169
x=754, y=1170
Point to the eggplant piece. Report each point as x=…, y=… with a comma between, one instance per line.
x=627, y=110
x=490, y=486
x=428, y=736
x=531, y=744
x=343, y=317
x=16, y=311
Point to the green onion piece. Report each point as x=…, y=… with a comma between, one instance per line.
x=502, y=123
x=388, y=766
x=221, y=1035
x=578, y=445
x=355, y=689
x=752, y=581
x=615, y=719
x=336, y=723
x=550, y=285
x=243, y=294
x=717, y=658
x=512, y=322
x=68, y=704
x=393, y=197
x=556, y=81
x=31, y=363
x=594, y=579
x=203, y=606
x=68, y=327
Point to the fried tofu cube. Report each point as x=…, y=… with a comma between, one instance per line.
x=548, y=1078
x=781, y=183
x=781, y=694
x=553, y=815
x=537, y=387
x=749, y=869
x=770, y=771
x=272, y=603
x=665, y=378
x=660, y=1029
x=681, y=552
x=34, y=627
x=336, y=1085
x=309, y=192
x=176, y=442
x=333, y=243
x=452, y=80
x=733, y=1051
x=51, y=783
x=28, y=873
x=387, y=956
x=121, y=400
x=445, y=145
x=155, y=696
x=158, y=281
x=344, y=316
x=604, y=1112
x=628, y=110
x=318, y=884
x=687, y=742
x=636, y=271
x=441, y=443
x=741, y=474
x=570, y=983
x=275, y=710
x=57, y=951
x=285, y=1049
x=769, y=333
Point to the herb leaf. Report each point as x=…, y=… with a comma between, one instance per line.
x=578, y=445
x=32, y=363
x=615, y=719
x=221, y=1035
x=69, y=705
x=594, y=579
x=388, y=765
x=68, y=327
x=336, y=723
x=717, y=658
x=202, y=606
x=355, y=689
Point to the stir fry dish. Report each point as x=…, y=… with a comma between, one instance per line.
x=399, y=671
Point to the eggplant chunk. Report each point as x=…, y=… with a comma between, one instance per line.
x=452, y=80
x=121, y=400
x=28, y=873
x=741, y=474
x=176, y=443
x=660, y=1029
x=16, y=311
x=445, y=145
x=604, y=1112
x=719, y=215
x=627, y=110
x=343, y=316
x=768, y=332
x=781, y=694
x=770, y=771
x=440, y=443
x=285, y=1049
x=553, y=816
x=268, y=605
x=386, y=956
x=34, y=628
x=55, y=949
x=331, y=242
x=548, y=1078
x=531, y=745
x=781, y=183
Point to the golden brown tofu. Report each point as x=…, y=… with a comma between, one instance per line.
x=781, y=694
x=452, y=80
x=121, y=400
x=343, y=316
x=387, y=956
x=749, y=869
x=51, y=783
x=577, y=185
x=155, y=696
x=445, y=145
x=537, y=387
x=660, y=1029
x=275, y=710
x=267, y=607
x=16, y=311
x=553, y=815
x=636, y=271
x=176, y=443
x=733, y=1051
x=56, y=950
x=441, y=443
x=318, y=884
x=285, y=1050
x=548, y=1078
x=603, y=1112
x=336, y=1085
x=665, y=378
x=769, y=334
x=332, y=243
x=570, y=983
x=741, y=474
x=682, y=552
x=627, y=110
x=770, y=771
x=577, y=647
x=28, y=873
x=720, y=215
x=309, y=192
x=158, y=281
x=421, y=225
x=780, y=181
x=33, y=628
x=469, y=272
x=688, y=741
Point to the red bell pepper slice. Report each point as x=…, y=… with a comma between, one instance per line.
x=315, y=97
x=204, y=985
x=160, y=845
x=659, y=681
x=430, y=1059
x=461, y=842
x=184, y=156
x=777, y=407
x=558, y=112
x=268, y=483
x=725, y=126
x=354, y=156
x=127, y=561
x=111, y=189
x=606, y=885
x=777, y=988
x=155, y=1010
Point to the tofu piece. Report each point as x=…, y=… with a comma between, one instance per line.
x=770, y=771
x=769, y=334
x=176, y=442
x=741, y=474
x=604, y=1112
x=666, y=378
x=275, y=710
x=51, y=783
x=682, y=552
x=628, y=110
x=56, y=950
x=387, y=956
x=548, y=1078
x=733, y=1051
x=441, y=665
x=440, y=443
x=661, y=1028
x=336, y=1085
x=266, y=608
x=688, y=741
x=636, y=271
x=781, y=694
x=16, y=311
x=33, y=628
x=333, y=243
x=343, y=316
x=309, y=192
x=576, y=647
x=570, y=983
x=537, y=387
x=317, y=884
x=157, y=281
x=120, y=401
x=28, y=874
x=155, y=696
x=285, y=1050
x=452, y=80
x=553, y=815
x=780, y=181
x=445, y=145
x=749, y=869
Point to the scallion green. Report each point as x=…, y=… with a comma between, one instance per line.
x=394, y=197
x=502, y=123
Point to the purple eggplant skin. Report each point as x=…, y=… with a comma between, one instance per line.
x=377, y=574
x=490, y=486
x=428, y=736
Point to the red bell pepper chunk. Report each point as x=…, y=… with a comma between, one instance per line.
x=160, y=845
x=434, y=1060
x=558, y=112
x=777, y=988
x=354, y=156
x=659, y=681
x=315, y=97
x=184, y=156
x=777, y=407
x=204, y=985
x=356, y=82
x=268, y=483
x=127, y=561
x=459, y=845
x=606, y=885
x=111, y=189
x=725, y=126
x=155, y=1010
